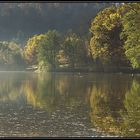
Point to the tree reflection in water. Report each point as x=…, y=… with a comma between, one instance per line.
x=112, y=102
x=44, y=90
x=115, y=105
x=131, y=117
x=50, y=90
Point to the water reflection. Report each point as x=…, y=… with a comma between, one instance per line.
x=50, y=90
x=63, y=104
x=131, y=117
x=115, y=105
x=43, y=105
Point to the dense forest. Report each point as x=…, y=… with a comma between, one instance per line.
x=19, y=21
x=70, y=36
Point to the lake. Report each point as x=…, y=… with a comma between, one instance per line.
x=69, y=105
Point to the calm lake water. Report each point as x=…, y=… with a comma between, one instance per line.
x=69, y=105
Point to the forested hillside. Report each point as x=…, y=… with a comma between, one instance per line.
x=19, y=21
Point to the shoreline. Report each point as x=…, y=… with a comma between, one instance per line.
x=76, y=71
x=79, y=70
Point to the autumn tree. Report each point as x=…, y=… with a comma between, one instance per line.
x=30, y=51
x=47, y=53
x=41, y=49
x=106, y=44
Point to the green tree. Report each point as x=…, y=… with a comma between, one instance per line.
x=131, y=35
x=47, y=52
x=74, y=47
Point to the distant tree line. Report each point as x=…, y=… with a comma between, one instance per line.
x=11, y=56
